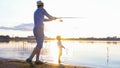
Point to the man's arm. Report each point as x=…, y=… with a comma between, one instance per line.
x=48, y=15
x=47, y=20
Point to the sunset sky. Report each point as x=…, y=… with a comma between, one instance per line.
x=98, y=18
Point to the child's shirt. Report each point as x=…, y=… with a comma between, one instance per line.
x=60, y=46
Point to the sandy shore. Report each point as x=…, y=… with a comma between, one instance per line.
x=10, y=63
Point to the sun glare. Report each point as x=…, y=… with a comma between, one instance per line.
x=54, y=52
x=66, y=28
x=54, y=29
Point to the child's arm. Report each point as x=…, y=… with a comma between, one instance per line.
x=63, y=46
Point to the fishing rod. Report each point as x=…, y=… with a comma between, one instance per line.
x=61, y=18
x=70, y=17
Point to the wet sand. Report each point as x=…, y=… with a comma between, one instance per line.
x=13, y=63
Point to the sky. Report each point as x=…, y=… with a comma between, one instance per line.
x=98, y=18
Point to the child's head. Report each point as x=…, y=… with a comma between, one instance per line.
x=58, y=37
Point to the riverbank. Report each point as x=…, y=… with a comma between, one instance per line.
x=13, y=63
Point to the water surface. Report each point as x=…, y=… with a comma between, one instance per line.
x=104, y=54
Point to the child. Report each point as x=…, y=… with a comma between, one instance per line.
x=60, y=46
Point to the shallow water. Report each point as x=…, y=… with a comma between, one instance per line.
x=103, y=54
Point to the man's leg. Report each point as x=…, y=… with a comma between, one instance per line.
x=38, y=50
x=29, y=60
x=35, y=51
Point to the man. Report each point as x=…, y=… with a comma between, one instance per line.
x=39, y=31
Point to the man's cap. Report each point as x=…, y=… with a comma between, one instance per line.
x=39, y=2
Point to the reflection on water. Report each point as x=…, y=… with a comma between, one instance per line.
x=103, y=54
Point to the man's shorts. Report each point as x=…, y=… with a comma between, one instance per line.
x=39, y=35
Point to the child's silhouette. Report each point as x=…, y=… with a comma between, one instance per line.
x=60, y=46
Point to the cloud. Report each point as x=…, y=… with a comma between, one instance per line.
x=22, y=27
